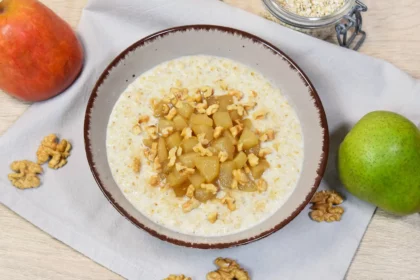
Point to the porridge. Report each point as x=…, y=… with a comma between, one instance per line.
x=204, y=146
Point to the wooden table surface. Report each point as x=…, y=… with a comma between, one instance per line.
x=390, y=248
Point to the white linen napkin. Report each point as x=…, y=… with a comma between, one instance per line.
x=70, y=206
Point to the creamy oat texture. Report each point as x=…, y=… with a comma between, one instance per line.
x=160, y=204
x=312, y=8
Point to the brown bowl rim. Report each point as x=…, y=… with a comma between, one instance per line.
x=256, y=39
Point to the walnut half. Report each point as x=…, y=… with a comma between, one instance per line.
x=228, y=270
x=26, y=175
x=324, y=207
x=53, y=151
x=177, y=277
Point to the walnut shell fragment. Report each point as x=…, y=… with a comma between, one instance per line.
x=26, y=175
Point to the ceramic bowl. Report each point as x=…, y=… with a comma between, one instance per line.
x=223, y=42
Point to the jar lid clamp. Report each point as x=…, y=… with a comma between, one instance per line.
x=345, y=23
x=352, y=20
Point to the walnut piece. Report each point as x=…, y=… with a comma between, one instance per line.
x=165, y=109
x=261, y=185
x=228, y=269
x=172, y=156
x=167, y=131
x=253, y=160
x=212, y=109
x=136, y=165
x=136, y=129
x=217, y=132
x=190, y=191
x=171, y=114
x=210, y=188
x=143, y=119
x=26, y=174
x=235, y=130
x=201, y=150
x=156, y=165
x=201, y=107
x=154, y=180
x=327, y=197
x=271, y=134
x=240, y=176
x=239, y=108
x=179, y=93
x=152, y=152
x=267, y=136
x=249, y=105
x=177, y=277
x=236, y=93
x=152, y=131
x=212, y=217
x=234, y=185
x=183, y=170
x=53, y=151
x=324, y=207
x=202, y=139
x=186, y=133
x=197, y=97
x=206, y=91
x=166, y=100
x=229, y=201
x=263, y=137
x=263, y=152
x=223, y=156
x=261, y=114
x=190, y=205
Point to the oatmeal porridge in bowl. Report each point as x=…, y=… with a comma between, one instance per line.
x=201, y=147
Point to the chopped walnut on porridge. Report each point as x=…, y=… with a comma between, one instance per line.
x=203, y=151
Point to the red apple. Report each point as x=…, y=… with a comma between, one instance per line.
x=40, y=55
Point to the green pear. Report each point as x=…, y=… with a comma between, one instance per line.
x=379, y=162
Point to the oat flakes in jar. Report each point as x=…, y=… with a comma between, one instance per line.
x=322, y=18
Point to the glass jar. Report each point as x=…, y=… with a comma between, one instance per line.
x=345, y=23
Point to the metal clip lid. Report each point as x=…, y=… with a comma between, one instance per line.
x=352, y=20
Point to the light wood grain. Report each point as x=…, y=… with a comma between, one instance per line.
x=390, y=248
